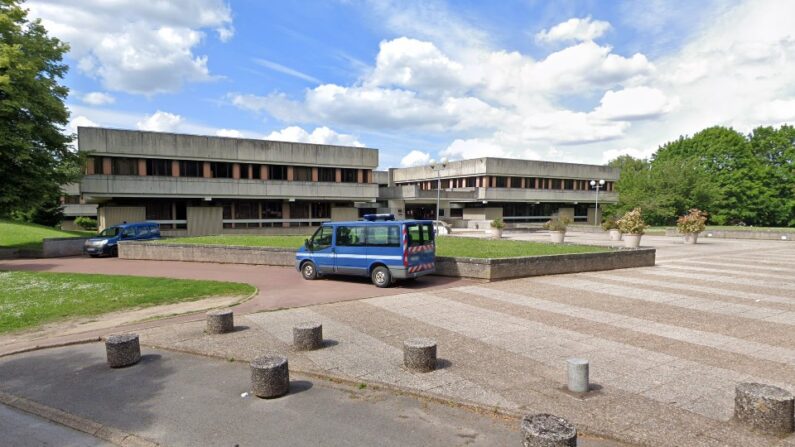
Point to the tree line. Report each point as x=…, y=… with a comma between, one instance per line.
x=738, y=179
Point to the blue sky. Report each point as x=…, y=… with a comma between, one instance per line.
x=580, y=81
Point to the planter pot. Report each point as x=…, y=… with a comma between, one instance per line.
x=615, y=235
x=632, y=240
x=557, y=236
x=496, y=233
x=691, y=238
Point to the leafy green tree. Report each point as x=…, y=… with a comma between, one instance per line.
x=775, y=148
x=35, y=153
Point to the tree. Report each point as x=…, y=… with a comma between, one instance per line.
x=775, y=148
x=35, y=153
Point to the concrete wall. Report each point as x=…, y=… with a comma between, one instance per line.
x=196, y=147
x=739, y=234
x=204, y=221
x=485, y=214
x=509, y=167
x=108, y=216
x=207, y=253
x=61, y=247
x=188, y=187
x=342, y=213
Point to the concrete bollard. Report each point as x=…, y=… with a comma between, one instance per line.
x=577, y=370
x=220, y=321
x=270, y=376
x=765, y=408
x=308, y=336
x=419, y=354
x=546, y=430
x=122, y=350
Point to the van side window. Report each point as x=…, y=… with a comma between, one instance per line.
x=143, y=231
x=350, y=236
x=128, y=233
x=383, y=235
x=322, y=238
x=420, y=234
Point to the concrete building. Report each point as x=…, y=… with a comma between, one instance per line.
x=208, y=185
x=474, y=192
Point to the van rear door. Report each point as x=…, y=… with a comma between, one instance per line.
x=420, y=254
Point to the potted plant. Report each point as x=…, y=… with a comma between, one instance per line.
x=691, y=224
x=497, y=226
x=557, y=228
x=632, y=225
x=611, y=227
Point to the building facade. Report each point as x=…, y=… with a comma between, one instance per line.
x=208, y=185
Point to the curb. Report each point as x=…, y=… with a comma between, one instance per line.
x=80, y=341
x=97, y=430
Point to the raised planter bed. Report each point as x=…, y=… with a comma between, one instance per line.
x=476, y=268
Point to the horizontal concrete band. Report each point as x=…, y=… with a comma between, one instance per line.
x=51, y=248
x=487, y=269
x=740, y=234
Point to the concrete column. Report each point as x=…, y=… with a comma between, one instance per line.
x=315, y=175
x=206, y=171
x=338, y=175
x=122, y=350
x=577, y=373
x=236, y=171
x=360, y=176
x=536, y=183
x=477, y=182
x=509, y=182
x=106, y=166
x=220, y=321
x=233, y=213
x=308, y=336
x=494, y=182
x=419, y=354
x=259, y=213
x=290, y=173
x=250, y=169
x=270, y=376
x=141, y=166
x=523, y=183
x=263, y=172
x=286, y=212
x=175, y=168
x=90, y=166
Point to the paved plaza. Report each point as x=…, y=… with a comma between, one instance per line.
x=666, y=344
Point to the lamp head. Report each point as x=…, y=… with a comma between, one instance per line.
x=431, y=162
x=593, y=182
x=601, y=182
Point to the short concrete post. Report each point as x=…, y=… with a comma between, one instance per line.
x=270, y=376
x=419, y=354
x=122, y=350
x=220, y=321
x=765, y=408
x=577, y=375
x=546, y=430
x=308, y=336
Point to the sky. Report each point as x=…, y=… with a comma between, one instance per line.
x=572, y=81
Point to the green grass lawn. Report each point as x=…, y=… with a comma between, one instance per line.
x=30, y=299
x=447, y=246
x=26, y=235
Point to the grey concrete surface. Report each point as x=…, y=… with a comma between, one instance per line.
x=182, y=400
x=21, y=429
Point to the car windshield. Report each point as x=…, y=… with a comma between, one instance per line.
x=110, y=232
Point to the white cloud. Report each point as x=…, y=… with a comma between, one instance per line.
x=133, y=46
x=415, y=158
x=286, y=70
x=612, y=154
x=160, y=122
x=234, y=133
x=98, y=98
x=574, y=29
x=634, y=103
x=321, y=135
x=79, y=121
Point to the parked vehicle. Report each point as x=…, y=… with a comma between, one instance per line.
x=107, y=241
x=379, y=247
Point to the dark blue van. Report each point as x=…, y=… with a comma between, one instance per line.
x=379, y=247
x=107, y=241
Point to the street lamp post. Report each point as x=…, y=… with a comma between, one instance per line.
x=437, y=167
x=598, y=185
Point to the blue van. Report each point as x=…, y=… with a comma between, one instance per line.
x=107, y=241
x=379, y=247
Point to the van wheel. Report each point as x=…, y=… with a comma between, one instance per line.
x=381, y=276
x=309, y=271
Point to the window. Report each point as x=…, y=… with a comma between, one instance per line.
x=124, y=166
x=158, y=210
x=456, y=212
x=271, y=210
x=128, y=233
x=190, y=168
x=469, y=182
x=419, y=234
x=501, y=182
x=350, y=236
x=221, y=170
x=326, y=175
x=277, y=172
x=383, y=235
x=349, y=176
x=143, y=231
x=99, y=166
x=302, y=174
x=158, y=167
x=322, y=238
x=568, y=184
x=255, y=171
x=321, y=210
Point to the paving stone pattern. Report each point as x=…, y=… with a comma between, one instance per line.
x=667, y=345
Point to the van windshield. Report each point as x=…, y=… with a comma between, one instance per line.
x=419, y=234
x=110, y=232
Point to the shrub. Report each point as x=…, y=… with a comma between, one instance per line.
x=498, y=223
x=695, y=221
x=557, y=224
x=609, y=224
x=86, y=223
x=632, y=222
